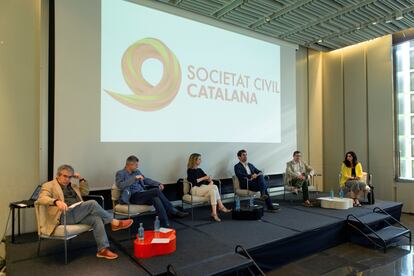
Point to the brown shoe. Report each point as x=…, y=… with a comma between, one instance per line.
x=264, y=197
x=123, y=224
x=215, y=218
x=107, y=254
x=307, y=203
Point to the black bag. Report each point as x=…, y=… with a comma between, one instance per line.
x=370, y=195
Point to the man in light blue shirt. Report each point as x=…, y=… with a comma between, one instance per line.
x=137, y=189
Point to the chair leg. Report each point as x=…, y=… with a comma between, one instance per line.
x=66, y=251
x=38, y=246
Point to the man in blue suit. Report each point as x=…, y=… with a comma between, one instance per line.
x=248, y=173
x=137, y=189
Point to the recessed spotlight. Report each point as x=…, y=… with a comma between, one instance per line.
x=267, y=19
x=358, y=28
x=399, y=17
x=388, y=21
x=374, y=23
x=320, y=40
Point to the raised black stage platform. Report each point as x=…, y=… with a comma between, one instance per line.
x=203, y=247
x=293, y=232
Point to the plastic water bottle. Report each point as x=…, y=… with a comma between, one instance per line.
x=237, y=203
x=141, y=232
x=331, y=194
x=157, y=224
x=251, y=201
x=341, y=193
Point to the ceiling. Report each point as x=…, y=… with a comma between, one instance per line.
x=318, y=24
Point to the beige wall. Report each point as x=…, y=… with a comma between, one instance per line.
x=358, y=114
x=19, y=104
x=349, y=106
x=309, y=103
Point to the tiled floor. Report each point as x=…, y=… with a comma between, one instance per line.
x=352, y=259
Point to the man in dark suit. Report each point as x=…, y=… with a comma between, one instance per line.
x=248, y=173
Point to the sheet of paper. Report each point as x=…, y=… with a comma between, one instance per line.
x=160, y=240
x=75, y=204
x=165, y=230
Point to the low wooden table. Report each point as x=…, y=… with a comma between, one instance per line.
x=336, y=203
x=147, y=248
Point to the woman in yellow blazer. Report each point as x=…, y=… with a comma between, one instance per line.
x=351, y=177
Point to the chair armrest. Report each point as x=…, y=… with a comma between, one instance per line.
x=189, y=191
x=65, y=231
x=247, y=182
x=219, y=184
x=100, y=199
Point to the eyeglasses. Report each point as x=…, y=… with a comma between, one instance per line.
x=66, y=176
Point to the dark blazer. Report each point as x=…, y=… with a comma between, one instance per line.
x=241, y=172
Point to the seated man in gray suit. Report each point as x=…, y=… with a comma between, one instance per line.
x=138, y=189
x=297, y=175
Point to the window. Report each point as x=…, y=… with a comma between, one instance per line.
x=404, y=91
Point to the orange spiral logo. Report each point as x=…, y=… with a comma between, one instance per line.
x=148, y=97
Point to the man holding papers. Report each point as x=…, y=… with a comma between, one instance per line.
x=65, y=198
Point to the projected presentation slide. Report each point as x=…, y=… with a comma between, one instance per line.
x=165, y=78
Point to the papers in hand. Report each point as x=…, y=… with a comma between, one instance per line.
x=75, y=204
x=165, y=230
x=160, y=240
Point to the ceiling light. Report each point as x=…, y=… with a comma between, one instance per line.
x=267, y=19
x=320, y=40
x=358, y=28
x=399, y=17
x=374, y=23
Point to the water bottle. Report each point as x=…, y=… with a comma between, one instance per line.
x=331, y=194
x=341, y=193
x=237, y=203
x=251, y=201
x=157, y=224
x=141, y=232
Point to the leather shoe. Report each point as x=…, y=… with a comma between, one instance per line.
x=123, y=224
x=264, y=197
x=273, y=208
x=180, y=214
x=107, y=254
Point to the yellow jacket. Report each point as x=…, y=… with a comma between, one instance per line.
x=347, y=172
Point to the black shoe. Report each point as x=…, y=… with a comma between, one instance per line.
x=180, y=214
x=273, y=208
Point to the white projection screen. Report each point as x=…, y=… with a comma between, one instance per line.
x=147, y=79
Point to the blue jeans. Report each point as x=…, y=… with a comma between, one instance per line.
x=90, y=213
x=161, y=204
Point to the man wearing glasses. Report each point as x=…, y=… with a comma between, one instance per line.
x=65, y=198
x=297, y=175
